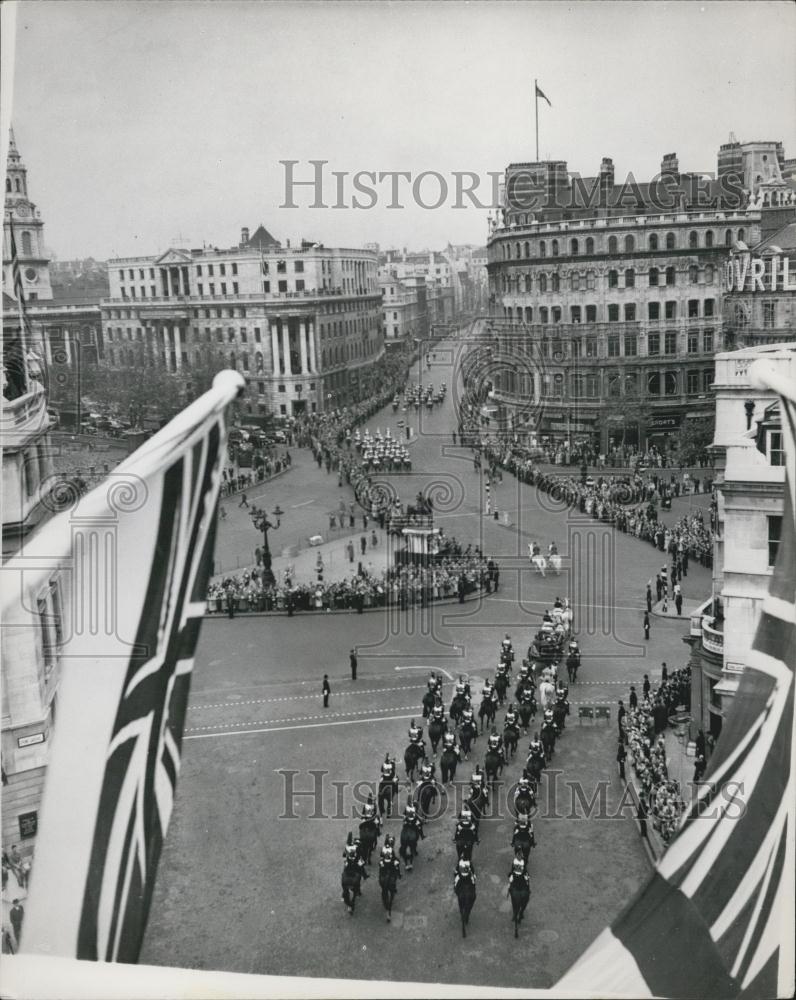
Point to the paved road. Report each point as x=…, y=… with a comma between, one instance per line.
x=245, y=887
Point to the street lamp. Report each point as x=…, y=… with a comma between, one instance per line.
x=261, y=523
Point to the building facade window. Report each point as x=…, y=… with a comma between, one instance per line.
x=654, y=383
x=671, y=276
x=613, y=346
x=653, y=310
x=775, y=448
x=613, y=279
x=613, y=313
x=671, y=241
x=671, y=309
x=574, y=314
x=774, y=537
x=693, y=341
x=653, y=344
x=630, y=278
x=769, y=315
x=654, y=276
x=693, y=383
x=693, y=308
x=591, y=314
x=670, y=383
x=589, y=245
x=630, y=312
x=693, y=274
x=707, y=342
x=653, y=241
x=670, y=342
x=631, y=345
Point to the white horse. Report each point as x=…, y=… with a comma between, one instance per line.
x=539, y=563
x=555, y=562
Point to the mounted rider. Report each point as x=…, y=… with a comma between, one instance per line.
x=523, y=832
x=511, y=716
x=464, y=871
x=488, y=692
x=388, y=775
x=388, y=863
x=411, y=818
x=552, y=549
x=468, y=730
x=525, y=789
x=495, y=744
x=449, y=743
x=415, y=733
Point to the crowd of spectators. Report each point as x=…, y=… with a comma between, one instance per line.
x=452, y=572
x=643, y=727
x=233, y=482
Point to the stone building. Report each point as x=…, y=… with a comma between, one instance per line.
x=301, y=324
x=606, y=297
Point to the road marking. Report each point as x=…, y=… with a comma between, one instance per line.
x=296, y=697
x=424, y=667
x=590, y=607
x=312, y=725
x=302, y=504
x=298, y=718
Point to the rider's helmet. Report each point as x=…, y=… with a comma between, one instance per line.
x=494, y=741
x=459, y=687
x=487, y=683
x=524, y=670
x=465, y=815
x=518, y=866
x=548, y=715
x=410, y=810
x=350, y=851
x=369, y=810
x=426, y=771
x=464, y=867
x=523, y=782
x=448, y=739
x=386, y=852
x=468, y=715
x=437, y=711
x=507, y=640
x=389, y=841
x=387, y=766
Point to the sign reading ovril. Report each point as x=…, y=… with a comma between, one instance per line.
x=745, y=273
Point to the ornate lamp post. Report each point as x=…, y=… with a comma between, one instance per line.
x=261, y=523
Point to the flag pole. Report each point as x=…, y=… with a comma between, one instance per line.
x=536, y=106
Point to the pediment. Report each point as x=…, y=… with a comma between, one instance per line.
x=172, y=256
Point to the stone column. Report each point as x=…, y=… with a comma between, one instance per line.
x=177, y=349
x=286, y=346
x=311, y=338
x=303, y=346
x=274, y=348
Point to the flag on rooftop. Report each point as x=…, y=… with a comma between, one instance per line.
x=540, y=93
x=118, y=580
x=717, y=916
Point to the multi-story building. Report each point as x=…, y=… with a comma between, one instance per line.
x=404, y=308
x=302, y=324
x=606, y=298
x=747, y=520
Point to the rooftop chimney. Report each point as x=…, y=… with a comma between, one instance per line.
x=669, y=165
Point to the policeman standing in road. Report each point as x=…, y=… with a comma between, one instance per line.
x=326, y=690
x=353, y=660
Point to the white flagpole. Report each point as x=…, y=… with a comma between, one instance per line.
x=536, y=105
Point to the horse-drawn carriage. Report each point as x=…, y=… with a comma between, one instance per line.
x=547, y=646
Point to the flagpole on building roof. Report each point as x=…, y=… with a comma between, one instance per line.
x=536, y=107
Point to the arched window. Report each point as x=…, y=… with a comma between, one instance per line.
x=708, y=274
x=231, y=359
x=709, y=238
x=8, y=184
x=589, y=245
x=613, y=279
x=543, y=312
x=528, y=283
x=555, y=248
x=693, y=274
x=693, y=240
x=613, y=244
x=528, y=314
x=27, y=247
x=556, y=283
x=509, y=313
x=630, y=278
x=258, y=361
x=630, y=244
x=574, y=281
x=527, y=249
x=671, y=277
x=518, y=252
x=728, y=238
x=508, y=251
x=654, y=276
x=670, y=241
x=573, y=247
x=653, y=241
x=542, y=248
x=556, y=314
x=741, y=234
x=18, y=184
x=542, y=282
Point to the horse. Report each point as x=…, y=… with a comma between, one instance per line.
x=465, y=892
x=457, y=708
x=501, y=685
x=448, y=762
x=573, y=662
x=487, y=710
x=368, y=835
x=413, y=754
x=478, y=801
x=467, y=733
x=429, y=701
x=388, y=883
x=539, y=564
x=527, y=712
x=351, y=882
x=555, y=562
x=511, y=737
x=522, y=842
x=493, y=765
x=426, y=796
x=410, y=834
x=388, y=789
x=436, y=729
x=520, y=893
x=534, y=766
x=465, y=841
x=524, y=801
x=548, y=736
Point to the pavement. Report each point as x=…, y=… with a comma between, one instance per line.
x=249, y=876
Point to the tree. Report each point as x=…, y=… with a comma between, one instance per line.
x=626, y=410
x=694, y=438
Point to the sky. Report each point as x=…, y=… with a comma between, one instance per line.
x=147, y=125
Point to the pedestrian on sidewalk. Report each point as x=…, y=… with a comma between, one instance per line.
x=678, y=599
x=620, y=716
x=646, y=686
x=633, y=699
x=326, y=690
x=243, y=501
x=664, y=672
x=230, y=603
x=350, y=550
x=649, y=595
x=374, y=539
x=621, y=756
x=16, y=913
x=353, y=661
x=658, y=586
x=646, y=625
x=363, y=544
x=641, y=816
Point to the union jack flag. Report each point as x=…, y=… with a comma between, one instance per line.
x=717, y=916
x=123, y=692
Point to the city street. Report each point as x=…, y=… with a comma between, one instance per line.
x=250, y=874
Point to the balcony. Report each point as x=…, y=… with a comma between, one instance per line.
x=712, y=637
x=696, y=618
x=24, y=416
